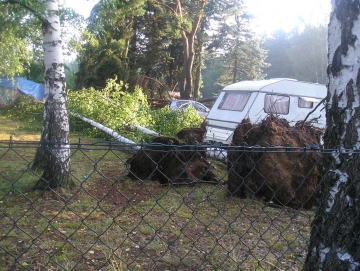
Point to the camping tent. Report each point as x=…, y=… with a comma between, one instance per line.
x=10, y=87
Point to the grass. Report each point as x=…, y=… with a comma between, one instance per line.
x=112, y=222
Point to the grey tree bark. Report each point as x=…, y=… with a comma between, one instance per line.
x=188, y=41
x=53, y=155
x=335, y=234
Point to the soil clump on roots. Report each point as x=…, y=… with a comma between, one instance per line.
x=173, y=160
x=282, y=176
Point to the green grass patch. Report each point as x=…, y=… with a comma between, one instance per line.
x=110, y=221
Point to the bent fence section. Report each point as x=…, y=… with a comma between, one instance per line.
x=160, y=207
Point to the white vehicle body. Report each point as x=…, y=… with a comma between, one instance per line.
x=285, y=98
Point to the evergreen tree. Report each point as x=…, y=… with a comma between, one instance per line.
x=299, y=54
x=110, y=35
x=279, y=62
x=308, y=53
x=236, y=45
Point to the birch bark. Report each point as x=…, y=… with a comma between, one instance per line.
x=335, y=242
x=53, y=154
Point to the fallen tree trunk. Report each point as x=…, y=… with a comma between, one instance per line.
x=145, y=130
x=105, y=129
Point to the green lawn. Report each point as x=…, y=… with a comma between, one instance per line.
x=112, y=222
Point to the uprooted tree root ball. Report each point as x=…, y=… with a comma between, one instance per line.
x=173, y=160
x=281, y=177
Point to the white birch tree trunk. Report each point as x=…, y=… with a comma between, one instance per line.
x=54, y=151
x=110, y=131
x=335, y=235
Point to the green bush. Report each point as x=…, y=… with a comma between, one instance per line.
x=120, y=110
x=170, y=122
x=111, y=107
x=26, y=109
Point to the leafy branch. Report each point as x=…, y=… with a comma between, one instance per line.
x=28, y=7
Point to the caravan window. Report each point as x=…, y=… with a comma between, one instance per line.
x=305, y=103
x=277, y=104
x=234, y=101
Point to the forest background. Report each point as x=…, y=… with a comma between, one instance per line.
x=142, y=44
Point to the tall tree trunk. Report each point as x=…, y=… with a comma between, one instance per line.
x=53, y=155
x=188, y=39
x=189, y=53
x=335, y=235
x=235, y=68
x=171, y=67
x=199, y=56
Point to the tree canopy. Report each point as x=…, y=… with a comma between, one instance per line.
x=300, y=54
x=21, y=47
x=194, y=47
x=236, y=45
x=16, y=27
x=159, y=44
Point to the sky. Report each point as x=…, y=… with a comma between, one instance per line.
x=270, y=15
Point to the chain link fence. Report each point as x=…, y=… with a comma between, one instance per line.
x=160, y=207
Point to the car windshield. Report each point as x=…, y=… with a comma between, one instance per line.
x=183, y=104
x=200, y=107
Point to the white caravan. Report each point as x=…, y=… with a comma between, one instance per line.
x=285, y=98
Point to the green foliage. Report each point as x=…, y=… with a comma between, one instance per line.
x=106, y=43
x=214, y=69
x=119, y=110
x=21, y=37
x=81, y=128
x=28, y=110
x=14, y=51
x=308, y=53
x=70, y=74
x=112, y=108
x=101, y=62
x=168, y=122
x=141, y=43
x=299, y=54
x=280, y=66
x=235, y=46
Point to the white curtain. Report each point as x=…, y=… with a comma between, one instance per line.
x=277, y=104
x=234, y=101
x=305, y=104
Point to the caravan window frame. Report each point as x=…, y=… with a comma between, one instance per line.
x=267, y=108
x=303, y=102
x=237, y=104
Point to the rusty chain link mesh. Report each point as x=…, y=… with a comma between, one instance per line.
x=236, y=218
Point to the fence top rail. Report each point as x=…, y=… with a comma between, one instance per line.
x=106, y=145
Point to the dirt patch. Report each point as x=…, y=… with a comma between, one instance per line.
x=120, y=193
x=173, y=160
x=288, y=177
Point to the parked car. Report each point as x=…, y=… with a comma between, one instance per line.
x=183, y=104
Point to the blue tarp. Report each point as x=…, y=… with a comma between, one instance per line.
x=24, y=86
